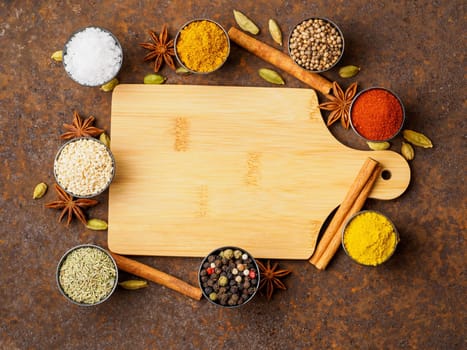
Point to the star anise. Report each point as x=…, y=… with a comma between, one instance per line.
x=80, y=128
x=70, y=207
x=161, y=50
x=339, y=104
x=270, y=278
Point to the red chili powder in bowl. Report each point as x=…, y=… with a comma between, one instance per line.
x=377, y=114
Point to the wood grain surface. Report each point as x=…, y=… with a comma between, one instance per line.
x=199, y=167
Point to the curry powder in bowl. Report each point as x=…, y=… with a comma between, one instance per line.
x=369, y=238
x=202, y=46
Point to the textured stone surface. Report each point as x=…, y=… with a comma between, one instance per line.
x=415, y=301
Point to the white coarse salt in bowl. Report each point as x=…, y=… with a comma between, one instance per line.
x=92, y=56
x=84, y=167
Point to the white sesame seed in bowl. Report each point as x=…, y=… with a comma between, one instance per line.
x=84, y=167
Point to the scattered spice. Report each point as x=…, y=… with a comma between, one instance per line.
x=339, y=104
x=348, y=71
x=378, y=146
x=96, y=224
x=370, y=238
x=161, y=49
x=69, y=206
x=144, y=271
x=87, y=275
x=39, y=190
x=92, y=56
x=271, y=76
x=57, y=56
x=270, y=278
x=105, y=139
x=182, y=71
x=110, y=85
x=154, y=79
x=133, y=284
x=275, y=31
x=229, y=277
x=417, y=138
x=352, y=203
x=80, y=129
x=202, y=46
x=280, y=60
x=84, y=167
x=407, y=151
x=377, y=114
x=316, y=44
x=245, y=23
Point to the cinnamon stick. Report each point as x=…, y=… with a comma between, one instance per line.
x=280, y=60
x=353, y=202
x=138, y=269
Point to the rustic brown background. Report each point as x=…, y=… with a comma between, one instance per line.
x=415, y=301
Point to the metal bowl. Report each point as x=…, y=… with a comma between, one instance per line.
x=178, y=36
x=59, y=266
x=216, y=252
x=363, y=92
x=340, y=34
x=105, y=81
x=92, y=194
x=356, y=215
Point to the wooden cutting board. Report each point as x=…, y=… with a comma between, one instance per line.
x=200, y=167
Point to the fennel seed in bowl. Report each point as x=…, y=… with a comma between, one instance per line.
x=87, y=275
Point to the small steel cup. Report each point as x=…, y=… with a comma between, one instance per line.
x=105, y=81
x=356, y=215
x=216, y=252
x=177, y=37
x=340, y=34
x=60, y=288
x=92, y=194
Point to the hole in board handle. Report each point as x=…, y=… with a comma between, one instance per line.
x=386, y=174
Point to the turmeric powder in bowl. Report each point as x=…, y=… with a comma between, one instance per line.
x=369, y=238
x=202, y=46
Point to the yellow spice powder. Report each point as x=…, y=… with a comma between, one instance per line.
x=370, y=238
x=202, y=46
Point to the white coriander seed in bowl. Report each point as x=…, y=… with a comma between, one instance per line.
x=316, y=44
x=84, y=167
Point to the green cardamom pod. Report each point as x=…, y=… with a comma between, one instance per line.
x=182, y=71
x=275, y=31
x=417, y=139
x=105, y=139
x=245, y=23
x=154, y=79
x=407, y=151
x=133, y=284
x=39, y=190
x=271, y=76
x=57, y=56
x=110, y=85
x=96, y=224
x=378, y=146
x=349, y=71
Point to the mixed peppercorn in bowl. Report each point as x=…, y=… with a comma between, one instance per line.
x=229, y=277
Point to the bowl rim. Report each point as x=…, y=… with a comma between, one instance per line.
x=179, y=60
x=62, y=259
x=106, y=187
x=215, y=251
x=377, y=88
x=117, y=42
x=338, y=30
x=347, y=222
